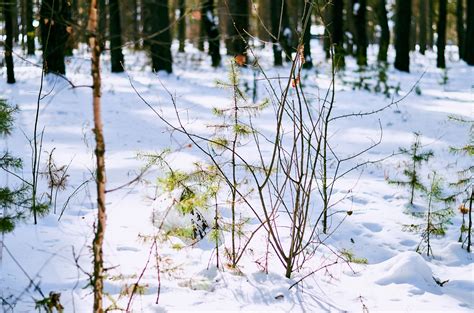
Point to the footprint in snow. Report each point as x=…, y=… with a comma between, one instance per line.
x=373, y=227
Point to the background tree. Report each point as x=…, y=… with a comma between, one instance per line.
x=115, y=27
x=159, y=36
x=281, y=31
x=7, y=14
x=55, y=18
x=423, y=10
x=441, y=41
x=237, y=29
x=306, y=28
x=402, y=35
x=361, y=29
x=30, y=30
x=385, y=31
x=460, y=26
x=102, y=23
x=469, y=38
x=337, y=34
x=212, y=30
x=181, y=24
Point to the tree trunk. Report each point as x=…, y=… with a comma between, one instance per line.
x=30, y=30
x=441, y=42
x=136, y=25
x=115, y=28
x=238, y=27
x=98, y=242
x=361, y=29
x=338, y=33
x=430, y=23
x=281, y=30
x=55, y=18
x=460, y=27
x=102, y=23
x=181, y=24
x=423, y=12
x=306, y=29
x=413, y=26
x=212, y=30
x=350, y=27
x=8, y=6
x=159, y=35
x=469, y=38
x=402, y=35
x=385, y=31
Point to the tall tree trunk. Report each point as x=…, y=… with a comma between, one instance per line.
x=136, y=25
x=115, y=28
x=413, y=26
x=423, y=17
x=98, y=242
x=306, y=28
x=460, y=27
x=238, y=27
x=385, y=31
x=469, y=38
x=212, y=30
x=182, y=24
x=328, y=28
x=402, y=35
x=361, y=28
x=159, y=35
x=55, y=17
x=350, y=27
x=441, y=42
x=8, y=6
x=281, y=31
x=338, y=33
x=30, y=30
x=431, y=8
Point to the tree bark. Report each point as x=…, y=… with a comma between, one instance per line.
x=55, y=17
x=30, y=30
x=115, y=28
x=102, y=23
x=181, y=24
x=281, y=30
x=338, y=33
x=402, y=35
x=8, y=6
x=469, y=38
x=385, y=31
x=423, y=34
x=212, y=30
x=361, y=29
x=98, y=242
x=441, y=42
x=430, y=24
x=159, y=35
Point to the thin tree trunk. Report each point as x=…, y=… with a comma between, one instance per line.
x=115, y=37
x=469, y=229
x=350, y=27
x=460, y=27
x=306, y=28
x=469, y=39
x=98, y=242
x=441, y=42
x=385, y=31
x=30, y=30
x=181, y=24
x=361, y=28
x=338, y=33
x=8, y=6
x=402, y=35
x=430, y=24
x=212, y=30
x=423, y=12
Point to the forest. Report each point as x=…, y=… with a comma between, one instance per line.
x=236, y=155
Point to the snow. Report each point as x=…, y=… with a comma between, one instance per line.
x=396, y=278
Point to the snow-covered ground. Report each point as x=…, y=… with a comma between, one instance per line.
x=56, y=255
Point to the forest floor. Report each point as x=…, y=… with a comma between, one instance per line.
x=56, y=256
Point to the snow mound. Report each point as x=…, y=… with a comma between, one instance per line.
x=406, y=268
